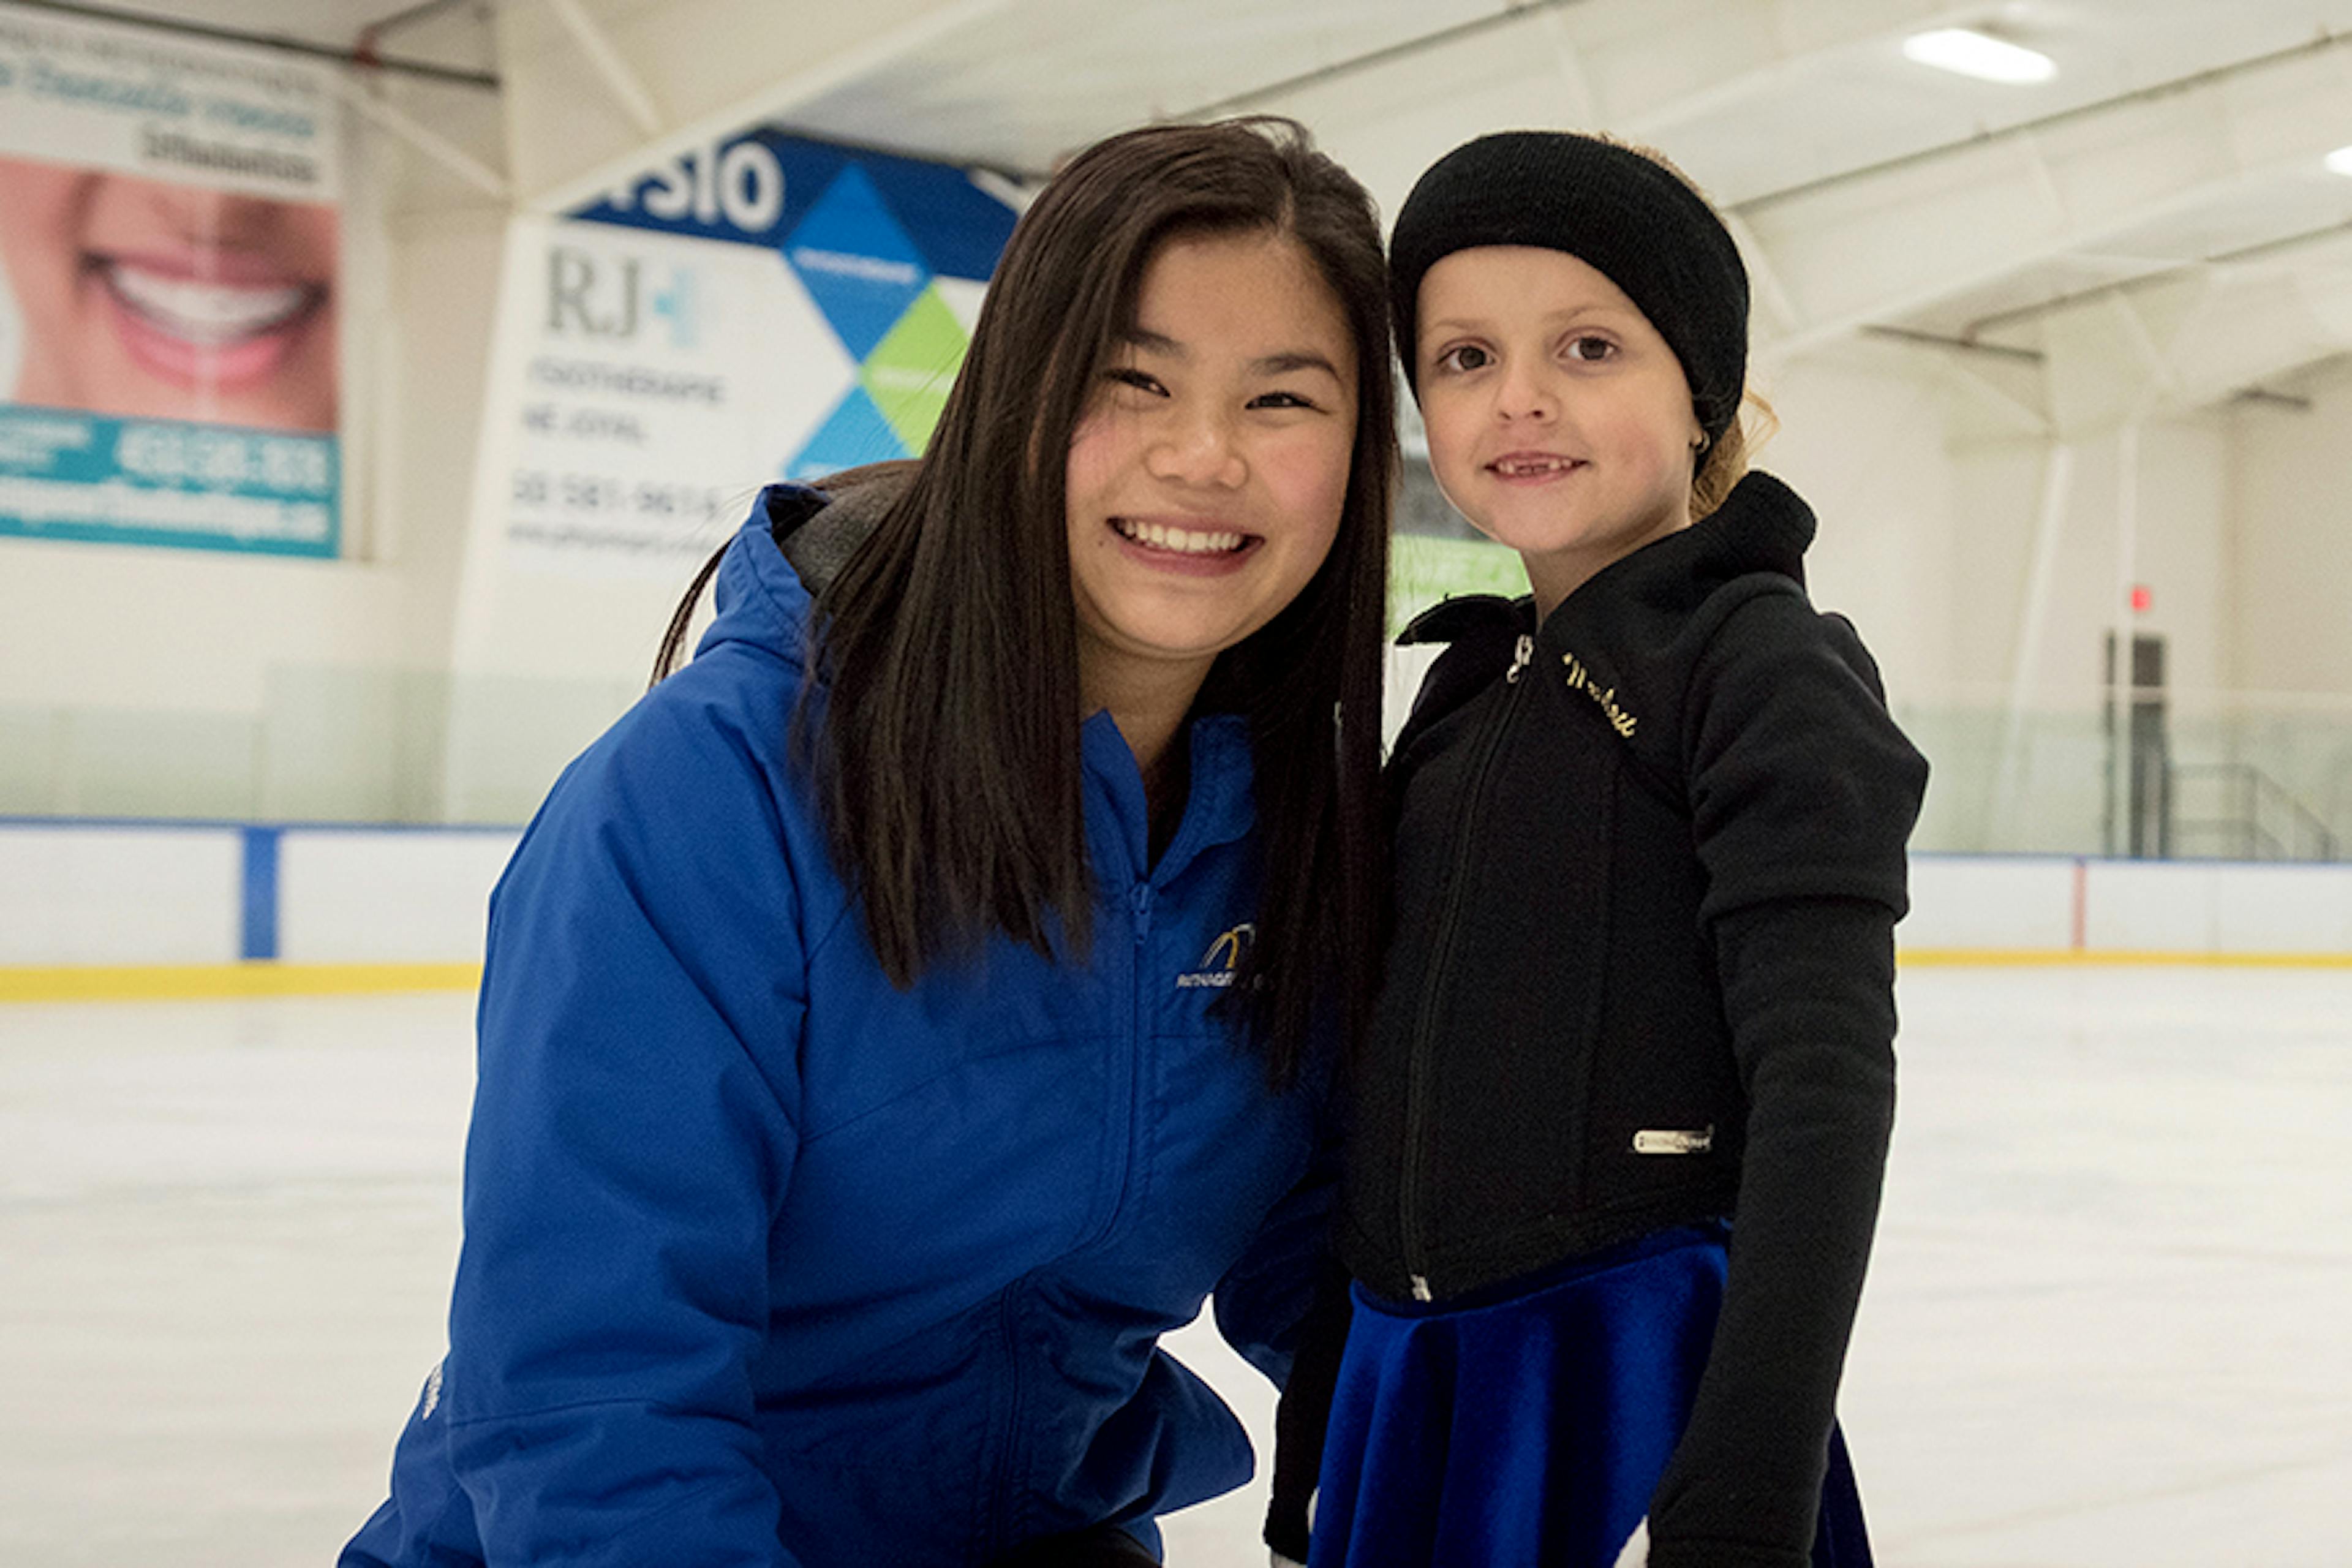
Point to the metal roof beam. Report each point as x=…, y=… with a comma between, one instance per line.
x=569, y=138
x=597, y=47
x=387, y=117
x=1633, y=67
x=2256, y=329
x=1878, y=243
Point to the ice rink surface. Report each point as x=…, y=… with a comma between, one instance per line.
x=2105, y=1323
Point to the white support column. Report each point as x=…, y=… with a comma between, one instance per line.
x=2032, y=620
x=2120, y=684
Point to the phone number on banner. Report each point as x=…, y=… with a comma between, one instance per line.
x=223, y=460
x=66, y=475
x=605, y=497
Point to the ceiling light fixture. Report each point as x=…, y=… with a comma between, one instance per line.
x=1981, y=55
x=2340, y=161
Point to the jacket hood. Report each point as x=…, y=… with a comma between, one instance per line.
x=1761, y=526
x=1659, y=607
x=796, y=543
x=787, y=552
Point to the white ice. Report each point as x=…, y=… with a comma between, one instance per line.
x=2105, y=1323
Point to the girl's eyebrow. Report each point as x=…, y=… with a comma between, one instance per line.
x=1153, y=342
x=1475, y=324
x=1281, y=362
x=1289, y=360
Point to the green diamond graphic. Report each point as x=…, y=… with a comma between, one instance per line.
x=909, y=370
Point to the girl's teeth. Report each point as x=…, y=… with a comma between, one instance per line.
x=1516, y=468
x=208, y=313
x=1182, y=541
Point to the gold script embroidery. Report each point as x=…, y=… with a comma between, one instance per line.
x=1580, y=679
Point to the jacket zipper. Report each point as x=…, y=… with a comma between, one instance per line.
x=1139, y=1033
x=1421, y=1064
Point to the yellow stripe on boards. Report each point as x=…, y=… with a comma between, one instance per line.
x=200, y=981
x=2121, y=958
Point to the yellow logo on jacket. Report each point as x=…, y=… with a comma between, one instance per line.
x=1580, y=679
x=1222, y=961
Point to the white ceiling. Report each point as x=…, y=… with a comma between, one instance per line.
x=2161, y=202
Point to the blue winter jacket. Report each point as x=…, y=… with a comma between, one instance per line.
x=768, y=1262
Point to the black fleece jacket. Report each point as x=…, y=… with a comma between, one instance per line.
x=1649, y=859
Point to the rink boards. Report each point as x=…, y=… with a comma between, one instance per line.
x=103, y=909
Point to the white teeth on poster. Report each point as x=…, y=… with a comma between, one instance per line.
x=170, y=290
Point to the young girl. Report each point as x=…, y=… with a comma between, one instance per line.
x=1618, y=1128
x=883, y=1024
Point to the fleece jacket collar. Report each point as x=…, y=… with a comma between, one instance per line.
x=1762, y=526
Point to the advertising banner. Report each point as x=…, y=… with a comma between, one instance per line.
x=760, y=308
x=169, y=248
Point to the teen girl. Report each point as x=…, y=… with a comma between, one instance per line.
x=1618, y=1130
x=885, y=1025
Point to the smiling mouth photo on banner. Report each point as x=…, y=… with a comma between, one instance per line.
x=171, y=293
x=145, y=299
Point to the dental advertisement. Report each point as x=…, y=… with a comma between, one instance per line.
x=764, y=307
x=168, y=241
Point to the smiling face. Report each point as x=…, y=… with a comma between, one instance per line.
x=142, y=297
x=1205, y=483
x=1559, y=422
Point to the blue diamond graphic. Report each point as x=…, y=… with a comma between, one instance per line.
x=856, y=262
x=853, y=433
x=960, y=228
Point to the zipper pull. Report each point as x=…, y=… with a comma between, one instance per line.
x=1521, y=656
x=1142, y=911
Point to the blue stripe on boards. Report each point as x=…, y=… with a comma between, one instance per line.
x=258, y=925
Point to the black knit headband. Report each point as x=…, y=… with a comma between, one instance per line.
x=1631, y=219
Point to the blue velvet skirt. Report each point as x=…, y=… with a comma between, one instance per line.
x=1532, y=1426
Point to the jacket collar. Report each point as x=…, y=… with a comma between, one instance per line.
x=1761, y=526
x=1220, y=806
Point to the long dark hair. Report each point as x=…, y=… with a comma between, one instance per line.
x=947, y=761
